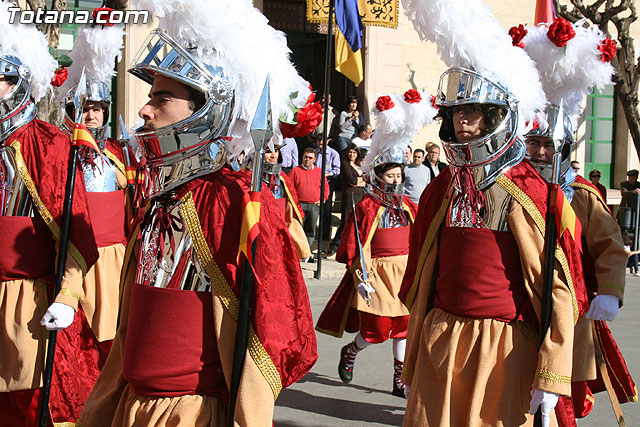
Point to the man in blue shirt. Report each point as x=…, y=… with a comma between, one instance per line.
x=289, y=153
x=332, y=171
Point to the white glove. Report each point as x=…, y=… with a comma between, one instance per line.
x=365, y=290
x=604, y=307
x=407, y=390
x=546, y=401
x=58, y=316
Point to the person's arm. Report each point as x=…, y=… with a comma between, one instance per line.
x=335, y=163
x=349, y=175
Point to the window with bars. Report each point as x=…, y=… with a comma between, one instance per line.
x=600, y=133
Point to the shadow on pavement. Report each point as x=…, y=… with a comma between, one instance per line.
x=341, y=408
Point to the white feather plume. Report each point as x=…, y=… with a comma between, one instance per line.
x=29, y=45
x=568, y=73
x=96, y=49
x=468, y=35
x=236, y=36
x=398, y=125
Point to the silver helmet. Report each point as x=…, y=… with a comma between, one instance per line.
x=16, y=107
x=97, y=91
x=560, y=132
x=393, y=155
x=491, y=154
x=192, y=147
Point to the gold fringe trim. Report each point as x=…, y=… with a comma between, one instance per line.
x=292, y=201
x=532, y=210
x=65, y=424
x=42, y=209
x=116, y=161
x=553, y=376
x=593, y=191
x=69, y=293
x=426, y=245
x=225, y=293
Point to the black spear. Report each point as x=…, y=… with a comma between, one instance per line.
x=261, y=132
x=79, y=100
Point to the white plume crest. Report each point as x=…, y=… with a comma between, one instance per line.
x=236, y=36
x=29, y=45
x=398, y=125
x=469, y=36
x=96, y=49
x=569, y=73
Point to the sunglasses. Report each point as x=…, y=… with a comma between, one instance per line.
x=595, y=176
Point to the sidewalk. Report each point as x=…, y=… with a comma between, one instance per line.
x=331, y=269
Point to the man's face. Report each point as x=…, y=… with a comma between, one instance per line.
x=93, y=114
x=434, y=154
x=168, y=103
x=5, y=86
x=468, y=122
x=540, y=149
x=632, y=179
x=418, y=158
x=407, y=154
x=308, y=159
x=369, y=132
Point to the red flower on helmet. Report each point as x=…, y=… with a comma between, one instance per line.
x=307, y=119
x=609, y=49
x=560, y=32
x=384, y=103
x=60, y=77
x=412, y=96
x=517, y=34
x=433, y=102
x=105, y=16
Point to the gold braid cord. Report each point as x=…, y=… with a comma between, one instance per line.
x=533, y=211
x=226, y=295
x=552, y=376
x=42, y=209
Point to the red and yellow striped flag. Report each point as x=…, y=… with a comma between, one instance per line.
x=566, y=218
x=250, y=220
x=82, y=136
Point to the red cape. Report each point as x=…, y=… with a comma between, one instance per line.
x=338, y=315
x=281, y=315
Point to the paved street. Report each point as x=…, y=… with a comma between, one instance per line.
x=321, y=399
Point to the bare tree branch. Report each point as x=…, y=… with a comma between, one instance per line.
x=618, y=14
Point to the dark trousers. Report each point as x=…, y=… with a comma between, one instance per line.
x=328, y=208
x=311, y=214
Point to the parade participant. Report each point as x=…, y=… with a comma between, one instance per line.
x=184, y=267
x=375, y=241
x=568, y=73
x=95, y=50
x=474, y=282
x=33, y=174
x=285, y=194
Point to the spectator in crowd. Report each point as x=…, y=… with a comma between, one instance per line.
x=352, y=184
x=629, y=190
x=594, y=177
x=289, y=154
x=318, y=131
x=305, y=179
x=632, y=263
x=417, y=176
x=363, y=140
x=433, y=160
x=332, y=170
x=348, y=123
x=575, y=165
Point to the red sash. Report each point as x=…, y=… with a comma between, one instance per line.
x=171, y=348
x=106, y=210
x=27, y=248
x=480, y=275
x=390, y=242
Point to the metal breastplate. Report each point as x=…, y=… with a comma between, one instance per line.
x=15, y=199
x=393, y=218
x=160, y=270
x=100, y=176
x=493, y=216
x=276, y=187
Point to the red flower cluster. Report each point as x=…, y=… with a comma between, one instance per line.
x=103, y=15
x=412, y=96
x=608, y=49
x=384, y=103
x=60, y=77
x=560, y=32
x=307, y=119
x=517, y=34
